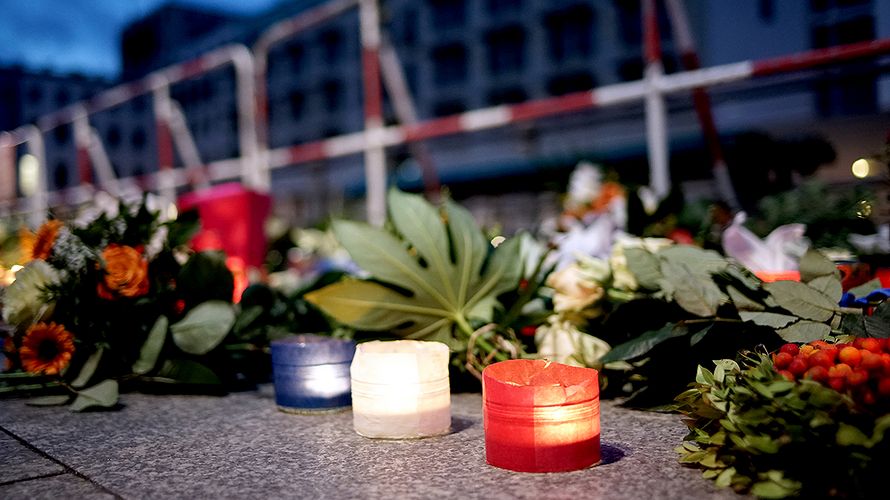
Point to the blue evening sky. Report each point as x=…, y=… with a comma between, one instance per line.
x=83, y=35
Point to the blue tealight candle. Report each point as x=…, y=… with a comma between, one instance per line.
x=312, y=373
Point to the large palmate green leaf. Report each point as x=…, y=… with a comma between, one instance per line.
x=440, y=271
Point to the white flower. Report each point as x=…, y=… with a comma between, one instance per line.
x=585, y=184
x=102, y=203
x=71, y=251
x=156, y=243
x=579, y=285
x=24, y=301
x=561, y=341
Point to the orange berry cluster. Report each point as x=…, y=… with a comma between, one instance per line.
x=861, y=368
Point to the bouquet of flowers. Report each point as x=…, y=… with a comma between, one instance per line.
x=816, y=431
x=118, y=298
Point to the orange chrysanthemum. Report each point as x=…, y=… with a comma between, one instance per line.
x=47, y=348
x=126, y=273
x=39, y=245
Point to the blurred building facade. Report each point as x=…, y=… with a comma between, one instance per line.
x=460, y=55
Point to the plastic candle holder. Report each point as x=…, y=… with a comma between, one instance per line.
x=400, y=389
x=311, y=373
x=540, y=416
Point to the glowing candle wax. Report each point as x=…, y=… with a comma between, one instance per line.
x=311, y=373
x=400, y=389
x=540, y=416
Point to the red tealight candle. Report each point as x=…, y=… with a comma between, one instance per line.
x=540, y=416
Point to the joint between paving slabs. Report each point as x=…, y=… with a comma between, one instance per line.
x=67, y=469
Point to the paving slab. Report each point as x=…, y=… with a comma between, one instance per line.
x=18, y=462
x=55, y=487
x=241, y=446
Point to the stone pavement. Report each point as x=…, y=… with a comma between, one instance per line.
x=241, y=446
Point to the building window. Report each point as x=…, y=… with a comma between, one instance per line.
x=137, y=139
x=448, y=14
x=60, y=175
x=409, y=27
x=766, y=10
x=411, y=78
x=296, y=56
x=450, y=64
x=332, y=46
x=332, y=93
x=570, y=82
x=506, y=50
x=495, y=7
x=508, y=95
x=139, y=104
x=858, y=29
x=331, y=132
x=450, y=107
x=840, y=92
x=113, y=136
x=570, y=33
x=630, y=69
x=297, y=102
x=62, y=134
x=630, y=22
x=35, y=94
x=62, y=98
x=819, y=5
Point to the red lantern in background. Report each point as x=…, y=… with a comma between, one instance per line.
x=232, y=220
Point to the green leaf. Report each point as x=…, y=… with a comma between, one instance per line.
x=703, y=263
x=725, y=477
x=204, y=327
x=55, y=400
x=814, y=265
x=801, y=300
x=769, y=489
x=729, y=365
x=185, y=371
x=644, y=266
x=88, y=369
x=743, y=276
x=696, y=294
x=742, y=302
x=694, y=457
x=370, y=306
x=205, y=277
x=184, y=228
x=848, y=435
x=444, y=264
x=772, y=320
x=866, y=288
x=804, y=331
x=151, y=349
x=878, y=324
x=641, y=345
x=704, y=376
x=102, y=395
x=699, y=335
x=829, y=285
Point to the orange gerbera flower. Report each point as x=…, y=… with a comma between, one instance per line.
x=46, y=348
x=126, y=273
x=39, y=245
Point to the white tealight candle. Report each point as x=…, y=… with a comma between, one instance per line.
x=400, y=389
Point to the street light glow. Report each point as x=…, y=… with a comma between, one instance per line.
x=861, y=168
